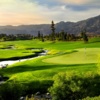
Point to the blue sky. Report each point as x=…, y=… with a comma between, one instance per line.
x=18, y=12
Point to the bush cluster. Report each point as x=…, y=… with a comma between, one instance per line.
x=74, y=86
x=11, y=91
x=14, y=90
x=92, y=98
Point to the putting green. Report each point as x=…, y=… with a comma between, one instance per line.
x=82, y=56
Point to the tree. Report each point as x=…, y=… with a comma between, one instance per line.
x=73, y=37
x=53, y=31
x=42, y=38
x=68, y=37
x=39, y=35
x=84, y=36
x=62, y=35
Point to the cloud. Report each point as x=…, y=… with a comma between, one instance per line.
x=74, y=1
x=21, y=12
x=17, y=19
x=81, y=5
x=66, y=14
x=79, y=2
x=17, y=12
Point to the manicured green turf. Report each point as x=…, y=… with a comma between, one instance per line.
x=81, y=56
x=21, y=48
x=62, y=56
x=37, y=70
x=15, y=53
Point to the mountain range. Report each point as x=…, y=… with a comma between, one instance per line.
x=92, y=26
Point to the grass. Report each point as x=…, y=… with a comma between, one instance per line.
x=81, y=56
x=21, y=49
x=15, y=53
x=62, y=56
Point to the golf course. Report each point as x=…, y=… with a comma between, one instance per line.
x=61, y=56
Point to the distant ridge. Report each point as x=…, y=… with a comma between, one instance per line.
x=92, y=25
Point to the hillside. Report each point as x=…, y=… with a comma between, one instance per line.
x=92, y=25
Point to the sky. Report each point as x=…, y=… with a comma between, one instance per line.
x=25, y=12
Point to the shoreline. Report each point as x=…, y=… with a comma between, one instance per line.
x=4, y=64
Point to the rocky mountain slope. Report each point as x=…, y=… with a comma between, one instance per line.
x=92, y=25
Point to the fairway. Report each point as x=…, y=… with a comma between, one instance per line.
x=61, y=57
x=81, y=56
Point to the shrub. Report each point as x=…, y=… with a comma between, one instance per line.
x=11, y=91
x=38, y=86
x=14, y=90
x=92, y=98
x=73, y=86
